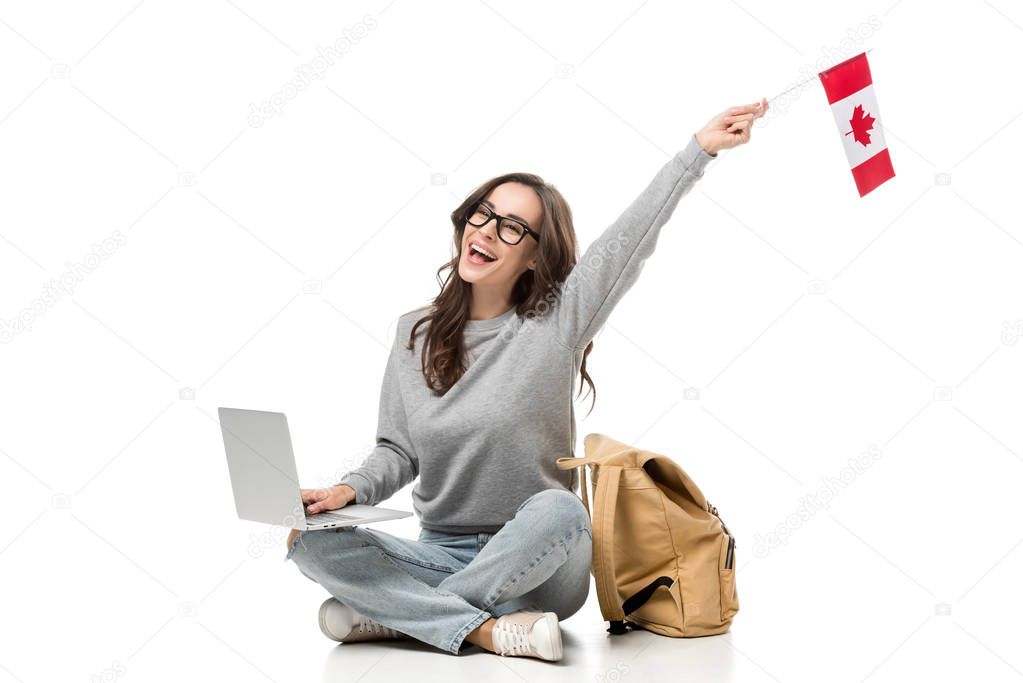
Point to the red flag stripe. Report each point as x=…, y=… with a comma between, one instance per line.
x=844, y=79
x=873, y=172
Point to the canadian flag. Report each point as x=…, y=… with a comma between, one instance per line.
x=850, y=92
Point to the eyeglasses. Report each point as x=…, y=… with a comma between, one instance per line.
x=509, y=230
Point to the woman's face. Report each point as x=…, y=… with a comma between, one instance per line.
x=509, y=199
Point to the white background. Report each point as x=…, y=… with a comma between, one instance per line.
x=814, y=325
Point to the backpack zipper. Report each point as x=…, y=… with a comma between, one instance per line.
x=730, y=552
x=714, y=511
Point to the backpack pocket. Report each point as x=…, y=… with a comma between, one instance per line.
x=729, y=596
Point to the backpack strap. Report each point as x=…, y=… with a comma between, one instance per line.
x=603, y=547
x=603, y=564
x=584, y=488
x=572, y=463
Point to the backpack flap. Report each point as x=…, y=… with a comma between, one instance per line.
x=674, y=483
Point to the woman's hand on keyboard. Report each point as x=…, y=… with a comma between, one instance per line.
x=332, y=498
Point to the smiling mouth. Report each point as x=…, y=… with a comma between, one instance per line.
x=476, y=257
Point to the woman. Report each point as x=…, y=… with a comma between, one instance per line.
x=480, y=415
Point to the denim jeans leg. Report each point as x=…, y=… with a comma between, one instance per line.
x=551, y=530
x=564, y=593
x=372, y=572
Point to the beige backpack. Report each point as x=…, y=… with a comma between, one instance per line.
x=661, y=555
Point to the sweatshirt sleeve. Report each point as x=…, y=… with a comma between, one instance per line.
x=612, y=263
x=393, y=463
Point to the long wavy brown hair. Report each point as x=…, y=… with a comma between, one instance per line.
x=443, y=351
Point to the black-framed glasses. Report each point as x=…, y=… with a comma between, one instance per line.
x=509, y=230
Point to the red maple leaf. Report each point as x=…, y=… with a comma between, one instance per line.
x=861, y=125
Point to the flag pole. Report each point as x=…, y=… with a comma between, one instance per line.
x=801, y=84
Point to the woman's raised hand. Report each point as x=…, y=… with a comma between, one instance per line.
x=332, y=498
x=730, y=128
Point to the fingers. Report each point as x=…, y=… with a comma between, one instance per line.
x=743, y=109
x=761, y=107
x=757, y=109
x=737, y=122
x=314, y=499
x=313, y=495
x=737, y=117
x=739, y=126
x=318, y=506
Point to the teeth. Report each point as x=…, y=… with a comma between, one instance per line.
x=481, y=250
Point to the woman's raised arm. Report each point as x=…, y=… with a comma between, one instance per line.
x=612, y=263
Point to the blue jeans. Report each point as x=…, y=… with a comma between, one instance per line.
x=441, y=587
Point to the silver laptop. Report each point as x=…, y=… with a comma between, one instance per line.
x=265, y=479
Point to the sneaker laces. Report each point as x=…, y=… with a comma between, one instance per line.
x=367, y=625
x=512, y=638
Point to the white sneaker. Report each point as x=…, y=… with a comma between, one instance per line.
x=342, y=623
x=528, y=634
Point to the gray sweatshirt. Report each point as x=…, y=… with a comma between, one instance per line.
x=491, y=442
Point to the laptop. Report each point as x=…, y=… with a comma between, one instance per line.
x=265, y=479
